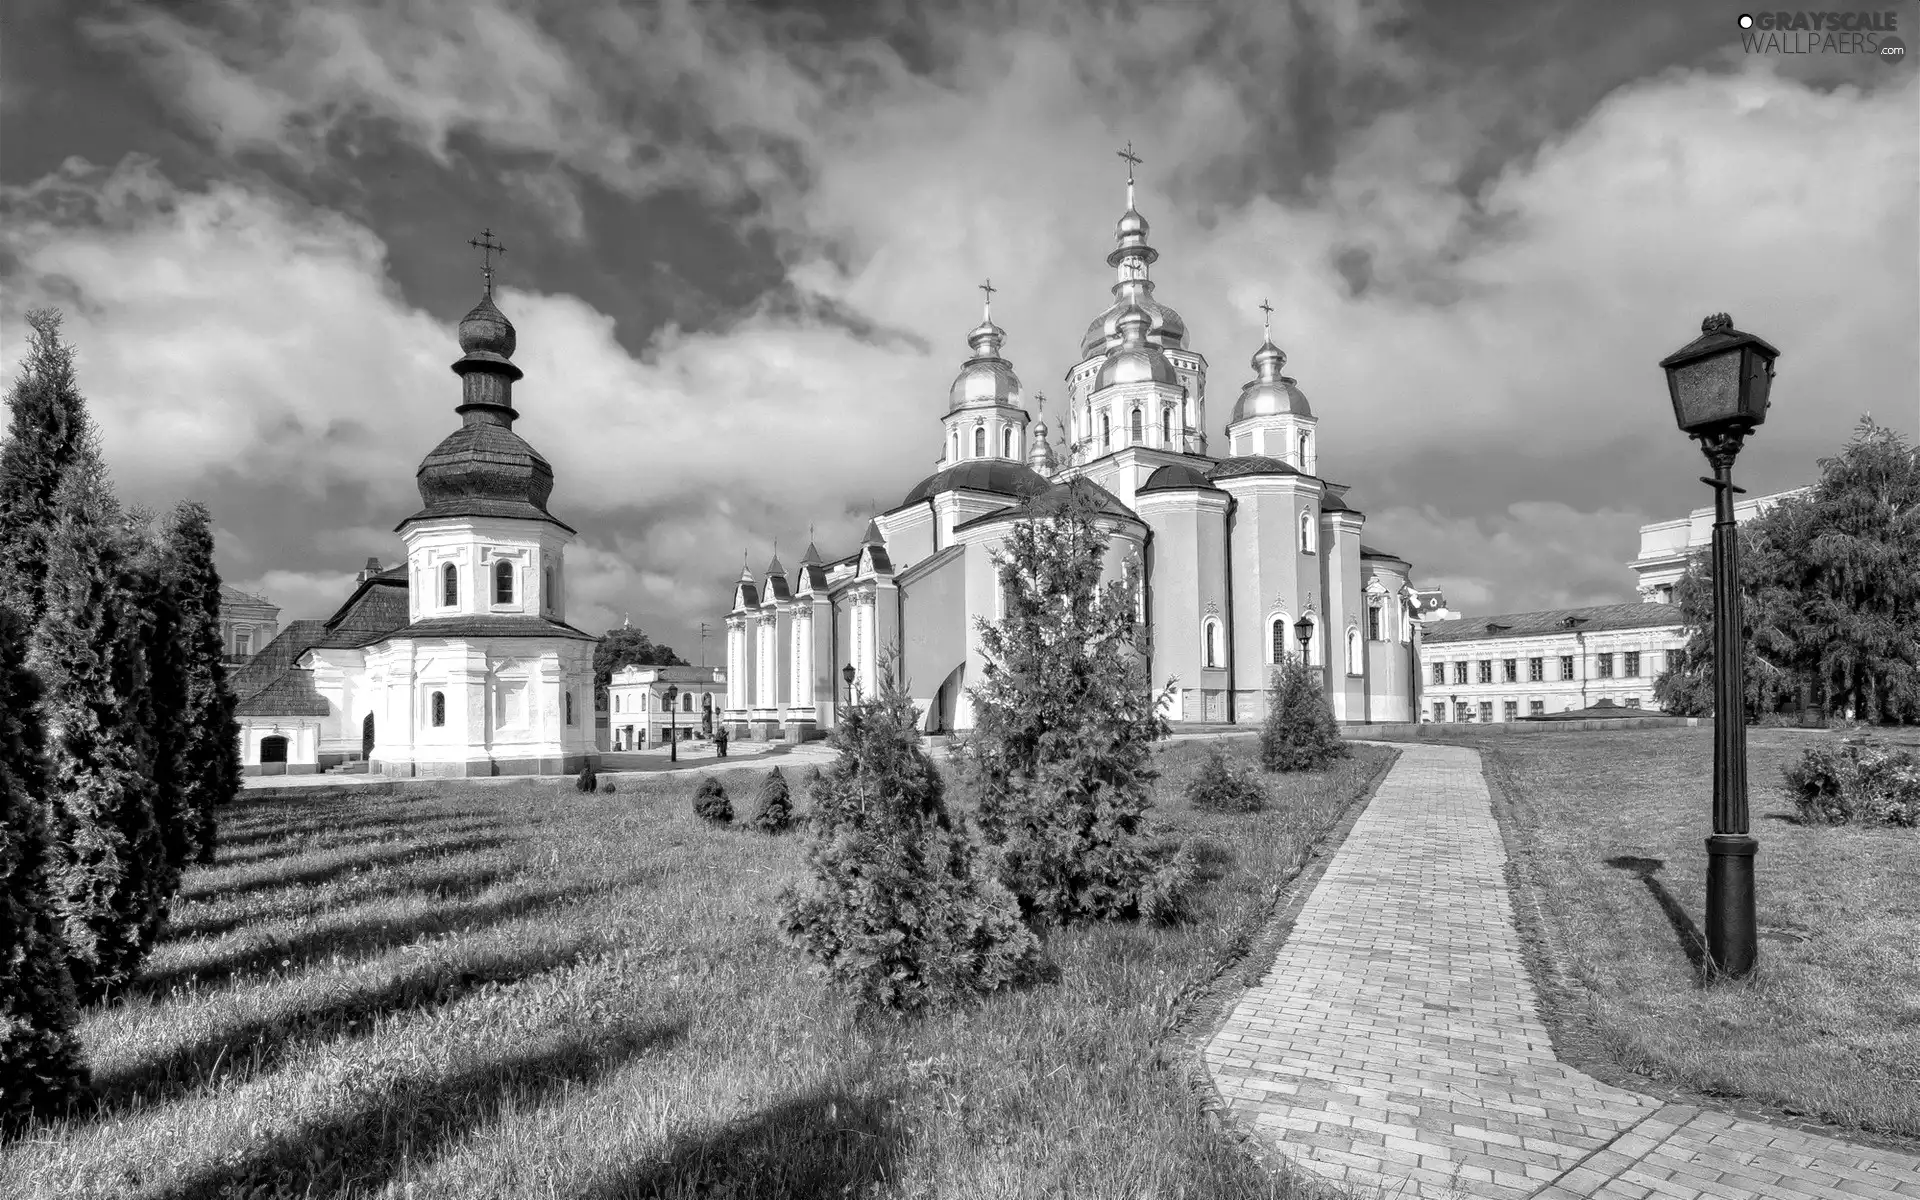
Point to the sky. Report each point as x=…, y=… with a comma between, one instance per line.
x=744, y=243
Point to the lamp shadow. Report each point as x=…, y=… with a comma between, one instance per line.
x=1692, y=942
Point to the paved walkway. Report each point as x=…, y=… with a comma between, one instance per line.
x=1396, y=1042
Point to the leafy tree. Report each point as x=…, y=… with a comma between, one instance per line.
x=628, y=646
x=206, y=761
x=1767, y=610
x=1300, y=733
x=896, y=911
x=41, y=1069
x=1061, y=753
x=112, y=881
x=47, y=432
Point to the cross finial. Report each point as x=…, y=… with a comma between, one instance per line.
x=1268, y=310
x=989, y=290
x=488, y=248
x=1133, y=160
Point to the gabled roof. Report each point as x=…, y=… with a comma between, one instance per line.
x=276, y=658
x=290, y=694
x=777, y=587
x=746, y=594
x=1597, y=619
x=1053, y=500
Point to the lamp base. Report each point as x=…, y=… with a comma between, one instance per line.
x=1732, y=933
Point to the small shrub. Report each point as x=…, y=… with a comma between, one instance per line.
x=1300, y=733
x=606, y=787
x=776, y=807
x=710, y=802
x=1855, y=782
x=588, y=781
x=1218, y=786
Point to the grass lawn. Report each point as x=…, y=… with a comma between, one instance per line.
x=523, y=991
x=1608, y=833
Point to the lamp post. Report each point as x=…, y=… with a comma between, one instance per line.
x=846, y=674
x=1719, y=383
x=1303, y=629
x=673, y=723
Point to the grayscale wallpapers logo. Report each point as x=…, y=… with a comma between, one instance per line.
x=1869, y=34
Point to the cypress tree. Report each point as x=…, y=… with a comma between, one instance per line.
x=41, y=1069
x=207, y=758
x=112, y=881
x=1300, y=733
x=47, y=432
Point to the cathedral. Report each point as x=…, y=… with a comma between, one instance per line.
x=459, y=661
x=1241, y=559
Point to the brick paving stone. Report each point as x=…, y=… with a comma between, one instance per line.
x=1396, y=1042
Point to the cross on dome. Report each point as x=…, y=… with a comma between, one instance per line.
x=1133, y=160
x=987, y=308
x=1267, y=309
x=488, y=248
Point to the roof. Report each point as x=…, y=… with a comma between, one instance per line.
x=1598, y=619
x=1367, y=551
x=452, y=627
x=276, y=658
x=1603, y=710
x=1178, y=476
x=290, y=694
x=230, y=594
x=1054, y=499
x=997, y=475
x=378, y=605
x=484, y=470
x=679, y=673
x=1251, y=464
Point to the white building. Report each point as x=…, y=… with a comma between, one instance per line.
x=459, y=661
x=247, y=623
x=638, y=712
x=1487, y=669
x=1666, y=546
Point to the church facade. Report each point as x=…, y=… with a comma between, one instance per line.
x=458, y=661
x=1236, y=556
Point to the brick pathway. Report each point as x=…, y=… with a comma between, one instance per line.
x=1396, y=1042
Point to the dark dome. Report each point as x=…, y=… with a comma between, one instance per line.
x=1251, y=464
x=484, y=470
x=1000, y=476
x=486, y=330
x=1176, y=477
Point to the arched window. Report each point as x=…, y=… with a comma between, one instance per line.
x=1306, y=533
x=569, y=708
x=956, y=444
x=979, y=441
x=449, y=586
x=1106, y=432
x=1006, y=443
x=546, y=575
x=1137, y=434
x=1355, y=661
x=1213, y=643
x=1279, y=639
x=664, y=706
x=686, y=701
x=503, y=582
x=1166, y=427
x=439, y=716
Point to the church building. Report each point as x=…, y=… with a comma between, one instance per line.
x=459, y=661
x=1240, y=559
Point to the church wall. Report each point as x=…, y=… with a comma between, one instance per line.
x=1271, y=578
x=1187, y=582
x=505, y=707
x=1340, y=547
x=473, y=545
x=1391, y=682
x=936, y=634
x=911, y=535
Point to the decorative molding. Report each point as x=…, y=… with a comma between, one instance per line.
x=1213, y=608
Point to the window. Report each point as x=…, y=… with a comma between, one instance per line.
x=1536, y=670
x=1375, y=618
x=1106, y=432
x=439, y=708
x=1486, y=670
x=1138, y=436
x=1536, y=708
x=503, y=583
x=664, y=706
x=1633, y=702
x=1632, y=670
x=569, y=708
x=1006, y=443
x=1462, y=713
x=1486, y=711
x=1213, y=642
x=686, y=701
x=1605, y=663
x=243, y=642
x=1279, y=639
x=546, y=588
x=1166, y=427
x=1306, y=533
x=954, y=444
x=1356, y=656
x=1566, y=666
x=1439, y=710
x=1303, y=452
x=1459, y=672
x=449, y=586
x=1510, y=670
x=979, y=441
x=1439, y=674
x=1510, y=710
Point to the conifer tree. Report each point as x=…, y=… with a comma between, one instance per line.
x=1299, y=733
x=207, y=758
x=896, y=911
x=1064, y=724
x=112, y=881
x=775, y=813
x=47, y=431
x=41, y=1069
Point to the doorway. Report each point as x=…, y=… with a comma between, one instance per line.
x=366, y=738
x=273, y=749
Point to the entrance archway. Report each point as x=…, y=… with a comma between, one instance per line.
x=273, y=749
x=946, y=701
x=366, y=737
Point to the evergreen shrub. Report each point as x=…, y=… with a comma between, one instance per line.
x=1856, y=782
x=1219, y=786
x=1300, y=733
x=588, y=781
x=710, y=802
x=775, y=814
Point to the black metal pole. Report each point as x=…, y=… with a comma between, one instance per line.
x=673, y=730
x=1732, y=933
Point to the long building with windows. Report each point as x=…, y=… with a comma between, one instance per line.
x=1490, y=669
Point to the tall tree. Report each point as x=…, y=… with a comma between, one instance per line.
x=628, y=646
x=41, y=1069
x=112, y=881
x=1061, y=751
x=1769, y=615
x=47, y=431
x=205, y=763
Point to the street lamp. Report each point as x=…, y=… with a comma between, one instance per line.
x=1719, y=384
x=1303, y=629
x=673, y=723
x=847, y=673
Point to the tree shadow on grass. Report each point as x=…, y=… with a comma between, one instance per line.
x=356, y=935
x=454, y=883
x=263, y=1043
x=359, y=833
x=273, y=876
x=1691, y=942
x=410, y=1121
x=824, y=1142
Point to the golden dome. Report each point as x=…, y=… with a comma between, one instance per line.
x=985, y=379
x=1270, y=393
x=1168, y=327
x=1135, y=359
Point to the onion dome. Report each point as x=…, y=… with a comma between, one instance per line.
x=1135, y=359
x=1270, y=393
x=1166, y=326
x=486, y=330
x=986, y=379
x=1132, y=227
x=997, y=476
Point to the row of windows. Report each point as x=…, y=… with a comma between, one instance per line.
x=437, y=709
x=503, y=584
x=1466, y=712
x=686, y=702
x=980, y=442
x=1536, y=669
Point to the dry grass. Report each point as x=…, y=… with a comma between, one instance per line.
x=523, y=991
x=1608, y=831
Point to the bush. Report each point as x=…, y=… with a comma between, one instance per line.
x=897, y=912
x=710, y=802
x=1855, y=782
x=588, y=781
x=1219, y=786
x=776, y=807
x=1300, y=733
x=606, y=787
